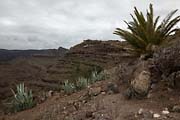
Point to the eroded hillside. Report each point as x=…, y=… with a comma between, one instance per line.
x=110, y=99
x=48, y=73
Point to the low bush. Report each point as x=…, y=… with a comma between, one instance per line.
x=68, y=87
x=23, y=99
x=81, y=83
x=95, y=76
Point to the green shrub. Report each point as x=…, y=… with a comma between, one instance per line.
x=145, y=33
x=81, y=83
x=83, y=70
x=23, y=99
x=95, y=76
x=68, y=87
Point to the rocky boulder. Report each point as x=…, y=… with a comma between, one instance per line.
x=141, y=84
x=140, y=81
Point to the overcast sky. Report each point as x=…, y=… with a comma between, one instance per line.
x=37, y=24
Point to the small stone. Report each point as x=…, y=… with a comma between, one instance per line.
x=176, y=108
x=151, y=111
x=169, y=89
x=112, y=87
x=136, y=116
x=89, y=114
x=95, y=91
x=103, y=93
x=84, y=101
x=140, y=112
x=149, y=95
x=153, y=86
x=50, y=93
x=165, y=112
x=156, y=115
x=43, y=99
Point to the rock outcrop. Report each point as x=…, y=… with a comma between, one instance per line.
x=141, y=84
x=166, y=63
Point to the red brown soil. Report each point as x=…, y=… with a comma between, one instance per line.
x=101, y=107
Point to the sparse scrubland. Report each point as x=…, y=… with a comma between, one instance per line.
x=137, y=79
x=82, y=82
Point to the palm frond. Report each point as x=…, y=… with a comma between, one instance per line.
x=144, y=32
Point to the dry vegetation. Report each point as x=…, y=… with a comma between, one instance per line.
x=101, y=80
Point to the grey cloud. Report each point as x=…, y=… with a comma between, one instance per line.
x=27, y=24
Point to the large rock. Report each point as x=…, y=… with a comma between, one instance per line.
x=173, y=79
x=141, y=84
x=166, y=64
x=140, y=80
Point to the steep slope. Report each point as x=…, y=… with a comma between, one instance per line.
x=42, y=72
x=83, y=58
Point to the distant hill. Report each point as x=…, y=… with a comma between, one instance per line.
x=11, y=54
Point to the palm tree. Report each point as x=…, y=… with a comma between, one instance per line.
x=145, y=32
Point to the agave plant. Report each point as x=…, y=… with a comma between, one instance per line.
x=95, y=76
x=81, y=83
x=68, y=87
x=145, y=32
x=23, y=99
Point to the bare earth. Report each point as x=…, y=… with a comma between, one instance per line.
x=104, y=106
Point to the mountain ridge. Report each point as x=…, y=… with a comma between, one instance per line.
x=6, y=55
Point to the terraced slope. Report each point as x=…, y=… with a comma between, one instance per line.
x=87, y=56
